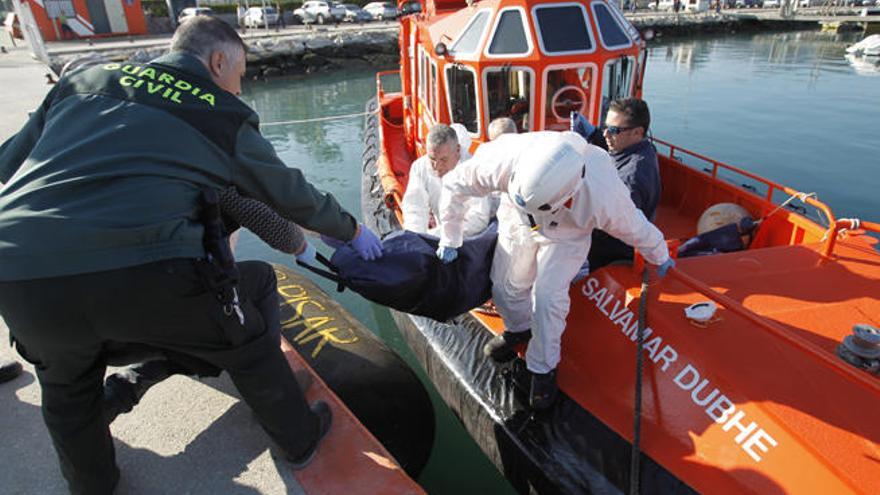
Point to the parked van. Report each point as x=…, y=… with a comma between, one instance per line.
x=260, y=17
x=193, y=12
x=320, y=12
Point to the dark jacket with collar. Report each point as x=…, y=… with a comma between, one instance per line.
x=107, y=172
x=638, y=168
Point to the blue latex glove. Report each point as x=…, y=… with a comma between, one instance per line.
x=332, y=242
x=581, y=125
x=447, y=254
x=582, y=273
x=307, y=255
x=662, y=269
x=367, y=245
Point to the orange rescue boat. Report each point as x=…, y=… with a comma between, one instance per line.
x=761, y=398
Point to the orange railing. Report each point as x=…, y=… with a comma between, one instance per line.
x=393, y=198
x=844, y=224
x=772, y=187
x=380, y=91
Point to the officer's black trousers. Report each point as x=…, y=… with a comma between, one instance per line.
x=65, y=325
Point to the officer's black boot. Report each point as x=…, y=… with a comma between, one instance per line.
x=9, y=370
x=325, y=420
x=502, y=347
x=124, y=389
x=544, y=391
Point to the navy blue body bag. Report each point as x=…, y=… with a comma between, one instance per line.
x=410, y=278
x=725, y=239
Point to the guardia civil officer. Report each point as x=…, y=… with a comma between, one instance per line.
x=103, y=241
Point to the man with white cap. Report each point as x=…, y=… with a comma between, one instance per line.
x=447, y=147
x=556, y=190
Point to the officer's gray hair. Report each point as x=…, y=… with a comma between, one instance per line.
x=203, y=35
x=501, y=125
x=441, y=134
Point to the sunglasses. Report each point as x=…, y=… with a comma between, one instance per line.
x=614, y=130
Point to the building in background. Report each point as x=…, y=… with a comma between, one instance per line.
x=74, y=19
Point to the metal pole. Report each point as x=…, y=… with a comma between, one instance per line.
x=635, y=453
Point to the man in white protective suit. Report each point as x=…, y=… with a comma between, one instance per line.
x=447, y=147
x=555, y=189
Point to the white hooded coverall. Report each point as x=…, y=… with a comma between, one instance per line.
x=422, y=196
x=532, y=269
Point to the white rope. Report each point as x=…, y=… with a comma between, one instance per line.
x=854, y=224
x=317, y=119
x=801, y=196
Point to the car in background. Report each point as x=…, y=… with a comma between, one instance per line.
x=748, y=4
x=772, y=4
x=260, y=17
x=354, y=13
x=411, y=8
x=193, y=12
x=320, y=12
x=810, y=3
x=381, y=10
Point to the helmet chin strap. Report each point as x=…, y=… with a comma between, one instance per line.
x=532, y=223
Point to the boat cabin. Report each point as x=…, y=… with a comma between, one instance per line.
x=532, y=61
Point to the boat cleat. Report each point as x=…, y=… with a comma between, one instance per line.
x=862, y=348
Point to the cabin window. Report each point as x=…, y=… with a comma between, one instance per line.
x=461, y=85
x=411, y=51
x=563, y=29
x=469, y=40
x=508, y=93
x=433, y=88
x=510, y=35
x=610, y=31
x=566, y=90
x=423, y=75
x=429, y=85
x=617, y=81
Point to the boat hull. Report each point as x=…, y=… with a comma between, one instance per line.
x=377, y=385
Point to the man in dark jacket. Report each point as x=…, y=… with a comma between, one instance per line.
x=626, y=126
x=102, y=244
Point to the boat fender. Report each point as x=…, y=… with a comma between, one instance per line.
x=375, y=383
x=701, y=312
x=862, y=348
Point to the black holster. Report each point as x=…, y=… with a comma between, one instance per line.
x=220, y=271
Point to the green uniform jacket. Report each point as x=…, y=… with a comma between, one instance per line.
x=107, y=178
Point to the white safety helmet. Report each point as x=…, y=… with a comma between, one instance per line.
x=464, y=140
x=548, y=174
